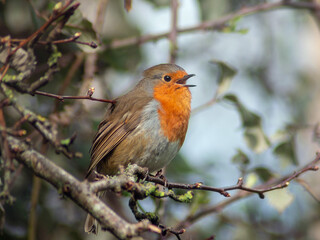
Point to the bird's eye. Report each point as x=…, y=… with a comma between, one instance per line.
x=167, y=78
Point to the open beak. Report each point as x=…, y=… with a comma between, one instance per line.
x=182, y=81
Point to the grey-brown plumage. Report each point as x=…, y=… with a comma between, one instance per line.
x=138, y=127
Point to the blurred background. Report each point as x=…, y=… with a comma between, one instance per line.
x=275, y=55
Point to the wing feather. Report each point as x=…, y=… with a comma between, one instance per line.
x=111, y=132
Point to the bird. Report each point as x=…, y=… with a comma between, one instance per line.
x=146, y=126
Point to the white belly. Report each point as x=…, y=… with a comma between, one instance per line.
x=160, y=151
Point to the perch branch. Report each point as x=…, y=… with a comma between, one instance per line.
x=277, y=184
x=80, y=192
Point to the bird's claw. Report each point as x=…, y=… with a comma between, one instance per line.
x=160, y=175
x=99, y=176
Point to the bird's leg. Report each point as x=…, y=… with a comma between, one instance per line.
x=160, y=175
x=143, y=177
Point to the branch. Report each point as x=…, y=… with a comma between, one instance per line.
x=189, y=220
x=195, y=186
x=7, y=168
x=62, y=98
x=61, y=41
x=58, y=11
x=25, y=63
x=41, y=124
x=276, y=184
x=80, y=192
x=215, y=24
x=67, y=80
x=153, y=218
x=269, y=186
x=62, y=13
x=306, y=186
x=142, y=191
x=126, y=181
x=173, y=33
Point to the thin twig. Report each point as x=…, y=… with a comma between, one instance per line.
x=306, y=186
x=195, y=186
x=177, y=233
x=55, y=15
x=173, y=32
x=281, y=183
x=275, y=184
x=62, y=98
x=62, y=41
x=100, y=15
x=215, y=24
x=67, y=80
x=6, y=67
x=211, y=102
x=41, y=124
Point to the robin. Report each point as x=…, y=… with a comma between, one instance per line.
x=147, y=126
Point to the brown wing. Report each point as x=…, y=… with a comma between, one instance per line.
x=113, y=130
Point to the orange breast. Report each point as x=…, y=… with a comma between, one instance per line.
x=174, y=112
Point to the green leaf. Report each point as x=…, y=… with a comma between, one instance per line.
x=231, y=27
x=200, y=198
x=256, y=139
x=54, y=57
x=280, y=199
x=240, y=158
x=251, y=180
x=251, y=122
x=180, y=167
x=210, y=10
x=78, y=23
x=226, y=75
x=65, y=142
x=159, y=3
x=125, y=58
x=249, y=119
x=286, y=153
x=231, y=97
x=263, y=173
